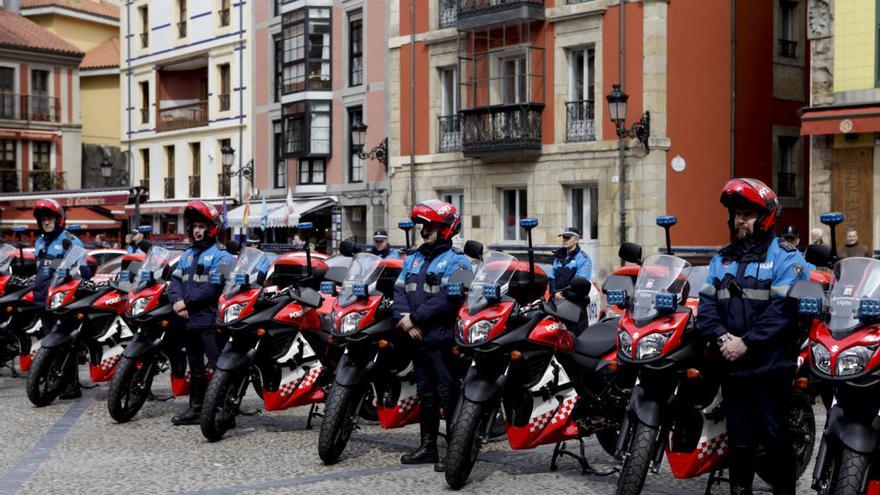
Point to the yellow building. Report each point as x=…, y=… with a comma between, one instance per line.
x=93, y=27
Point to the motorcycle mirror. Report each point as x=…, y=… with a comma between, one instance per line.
x=406, y=226
x=832, y=219
x=347, y=248
x=145, y=229
x=19, y=228
x=818, y=254
x=630, y=252
x=474, y=249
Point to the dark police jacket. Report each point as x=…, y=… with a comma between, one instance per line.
x=198, y=282
x=47, y=250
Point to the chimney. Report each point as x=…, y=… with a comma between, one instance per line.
x=12, y=5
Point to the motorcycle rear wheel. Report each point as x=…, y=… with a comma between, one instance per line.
x=46, y=378
x=466, y=440
x=221, y=403
x=340, y=419
x=129, y=389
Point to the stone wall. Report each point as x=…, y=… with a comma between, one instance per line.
x=820, y=30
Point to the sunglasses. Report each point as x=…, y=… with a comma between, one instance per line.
x=566, y=237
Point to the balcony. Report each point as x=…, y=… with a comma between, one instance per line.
x=787, y=48
x=477, y=14
x=46, y=180
x=195, y=186
x=169, y=187
x=450, y=134
x=9, y=180
x=181, y=29
x=183, y=117
x=37, y=108
x=224, y=102
x=223, y=185
x=224, y=17
x=448, y=13
x=501, y=130
x=145, y=40
x=580, y=121
x=145, y=115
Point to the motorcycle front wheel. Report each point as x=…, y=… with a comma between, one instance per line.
x=46, y=377
x=222, y=401
x=638, y=460
x=472, y=421
x=129, y=388
x=340, y=419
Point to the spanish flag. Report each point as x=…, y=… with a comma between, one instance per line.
x=247, y=212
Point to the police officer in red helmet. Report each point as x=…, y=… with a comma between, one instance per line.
x=745, y=315
x=195, y=288
x=49, y=249
x=425, y=310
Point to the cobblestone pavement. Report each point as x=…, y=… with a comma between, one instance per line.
x=74, y=447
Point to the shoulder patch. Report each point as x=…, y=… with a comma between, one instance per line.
x=787, y=246
x=456, y=250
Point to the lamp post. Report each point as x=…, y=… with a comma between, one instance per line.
x=246, y=171
x=106, y=170
x=359, y=136
x=641, y=130
x=137, y=192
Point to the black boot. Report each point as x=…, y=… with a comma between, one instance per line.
x=440, y=465
x=73, y=389
x=742, y=470
x=427, y=451
x=196, y=396
x=784, y=467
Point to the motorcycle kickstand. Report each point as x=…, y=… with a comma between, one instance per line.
x=586, y=467
x=716, y=477
x=313, y=413
x=15, y=374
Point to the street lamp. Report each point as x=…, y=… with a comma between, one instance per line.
x=246, y=170
x=106, y=169
x=228, y=155
x=359, y=137
x=137, y=192
x=617, y=102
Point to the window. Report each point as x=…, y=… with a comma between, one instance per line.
x=355, y=162
x=449, y=127
x=787, y=34
x=580, y=107
x=355, y=50
x=145, y=101
x=786, y=175
x=8, y=172
x=41, y=176
x=513, y=209
x=306, y=127
x=195, y=180
x=169, y=172
x=277, y=10
x=181, y=18
x=279, y=68
x=311, y=171
x=145, y=26
x=280, y=163
x=224, y=13
x=224, y=86
x=456, y=199
x=40, y=108
x=145, y=165
x=514, y=79
x=7, y=93
x=306, y=34
x=583, y=210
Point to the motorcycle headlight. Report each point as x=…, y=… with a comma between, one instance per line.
x=139, y=305
x=626, y=343
x=57, y=300
x=232, y=313
x=459, y=330
x=821, y=358
x=853, y=360
x=650, y=346
x=479, y=331
x=350, y=323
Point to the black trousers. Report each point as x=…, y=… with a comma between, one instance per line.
x=202, y=343
x=438, y=378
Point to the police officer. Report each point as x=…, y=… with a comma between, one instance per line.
x=746, y=316
x=51, y=246
x=136, y=244
x=381, y=248
x=195, y=288
x=569, y=262
x=425, y=310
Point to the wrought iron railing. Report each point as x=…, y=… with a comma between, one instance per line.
x=224, y=17
x=195, y=186
x=450, y=133
x=169, y=187
x=183, y=116
x=40, y=108
x=469, y=8
x=787, y=48
x=224, y=102
x=224, y=186
x=448, y=13
x=501, y=129
x=786, y=184
x=580, y=121
x=46, y=180
x=9, y=180
x=145, y=115
x=145, y=40
x=181, y=29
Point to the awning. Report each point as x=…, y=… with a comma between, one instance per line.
x=86, y=218
x=835, y=120
x=174, y=207
x=277, y=211
x=91, y=197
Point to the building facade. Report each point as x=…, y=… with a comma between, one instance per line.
x=841, y=122
x=326, y=61
x=186, y=96
x=508, y=117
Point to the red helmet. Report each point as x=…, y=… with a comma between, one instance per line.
x=51, y=207
x=440, y=212
x=755, y=195
x=199, y=211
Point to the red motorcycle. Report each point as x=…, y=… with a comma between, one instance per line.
x=275, y=339
x=377, y=360
x=89, y=319
x=550, y=385
x=676, y=406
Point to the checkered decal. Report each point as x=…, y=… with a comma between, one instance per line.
x=407, y=404
x=111, y=357
x=292, y=383
x=716, y=446
x=553, y=416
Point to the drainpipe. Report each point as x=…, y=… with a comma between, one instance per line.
x=137, y=212
x=241, y=107
x=412, y=104
x=732, y=88
x=621, y=167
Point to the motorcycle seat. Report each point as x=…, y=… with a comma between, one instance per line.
x=597, y=340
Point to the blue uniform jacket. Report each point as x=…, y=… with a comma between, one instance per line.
x=567, y=266
x=198, y=282
x=746, y=294
x=46, y=252
x=421, y=291
x=391, y=254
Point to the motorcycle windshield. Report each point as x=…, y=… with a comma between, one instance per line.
x=854, y=279
x=152, y=270
x=659, y=273
x=495, y=270
x=75, y=258
x=363, y=275
x=7, y=254
x=251, y=262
